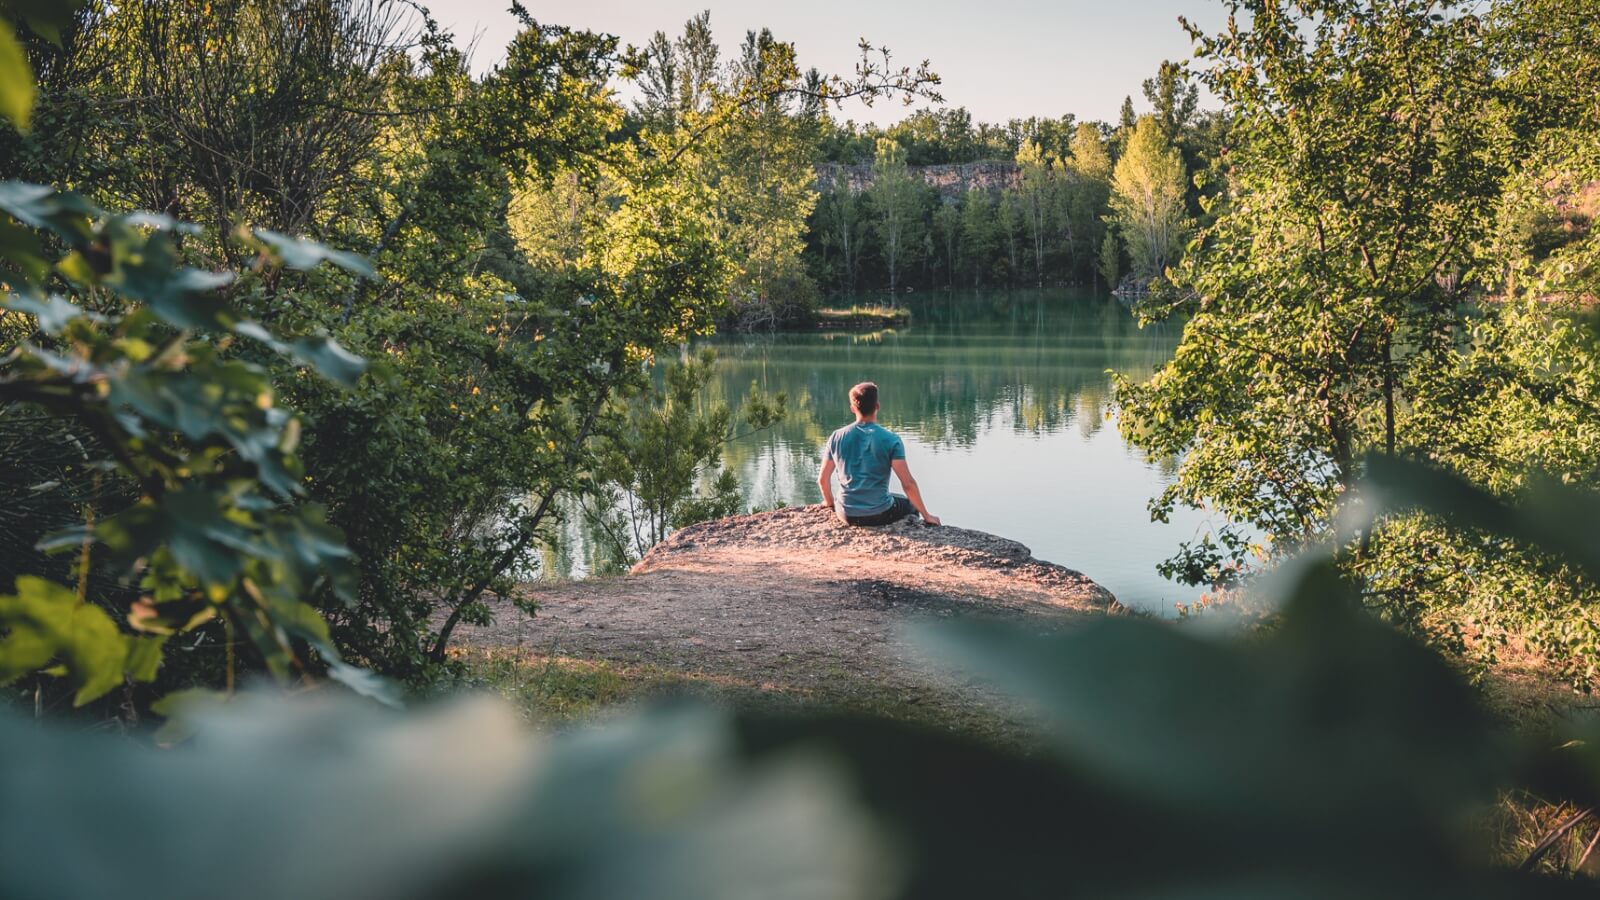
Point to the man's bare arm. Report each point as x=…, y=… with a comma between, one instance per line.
x=825, y=481
x=912, y=493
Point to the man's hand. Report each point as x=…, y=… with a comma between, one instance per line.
x=931, y=520
x=825, y=482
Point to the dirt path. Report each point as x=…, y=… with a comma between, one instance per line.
x=792, y=602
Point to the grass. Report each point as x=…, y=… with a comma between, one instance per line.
x=562, y=691
x=864, y=315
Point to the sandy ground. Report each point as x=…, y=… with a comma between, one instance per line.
x=792, y=601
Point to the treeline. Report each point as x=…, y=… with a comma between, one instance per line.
x=1088, y=203
x=1091, y=202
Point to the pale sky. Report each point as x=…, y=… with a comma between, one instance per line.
x=1001, y=59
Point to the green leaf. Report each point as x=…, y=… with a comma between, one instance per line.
x=144, y=657
x=53, y=312
x=62, y=212
x=365, y=682
x=1549, y=515
x=1303, y=725
x=45, y=621
x=21, y=256
x=185, y=297
x=324, y=354
x=296, y=253
x=320, y=352
x=180, y=708
x=16, y=79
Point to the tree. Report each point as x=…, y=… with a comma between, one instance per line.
x=842, y=225
x=1173, y=99
x=1038, y=188
x=661, y=89
x=697, y=64
x=1147, y=199
x=1109, y=263
x=896, y=198
x=1008, y=219
x=660, y=462
x=1086, y=197
x=947, y=229
x=979, y=236
x=1365, y=159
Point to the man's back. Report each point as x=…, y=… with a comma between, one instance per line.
x=865, y=453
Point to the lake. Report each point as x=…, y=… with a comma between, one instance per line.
x=1003, y=401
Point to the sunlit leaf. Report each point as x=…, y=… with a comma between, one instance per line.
x=53, y=312
x=296, y=253
x=16, y=79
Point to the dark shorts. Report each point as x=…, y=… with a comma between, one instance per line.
x=899, y=508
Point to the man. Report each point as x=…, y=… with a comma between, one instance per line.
x=865, y=453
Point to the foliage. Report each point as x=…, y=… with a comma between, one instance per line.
x=1034, y=194
x=1400, y=264
x=532, y=247
x=660, y=468
x=1307, y=773
x=136, y=354
x=1147, y=199
x=897, y=200
x=755, y=128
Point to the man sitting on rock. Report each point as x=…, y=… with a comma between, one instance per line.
x=865, y=453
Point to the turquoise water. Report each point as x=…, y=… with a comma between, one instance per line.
x=1003, y=400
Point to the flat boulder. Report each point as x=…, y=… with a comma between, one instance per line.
x=797, y=603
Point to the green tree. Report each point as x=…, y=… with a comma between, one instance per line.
x=660, y=463
x=1109, y=262
x=661, y=88
x=1147, y=199
x=980, y=238
x=1327, y=298
x=111, y=331
x=947, y=231
x=1173, y=99
x=1038, y=192
x=896, y=197
x=1086, y=198
x=841, y=226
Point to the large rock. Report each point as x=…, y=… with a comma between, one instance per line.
x=795, y=602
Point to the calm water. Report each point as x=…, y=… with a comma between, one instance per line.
x=1002, y=398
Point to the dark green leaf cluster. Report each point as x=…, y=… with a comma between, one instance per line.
x=136, y=353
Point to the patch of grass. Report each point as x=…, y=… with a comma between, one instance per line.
x=558, y=690
x=864, y=315
x=561, y=689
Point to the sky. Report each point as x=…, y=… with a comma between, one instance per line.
x=1001, y=59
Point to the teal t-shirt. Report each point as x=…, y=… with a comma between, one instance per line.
x=863, y=451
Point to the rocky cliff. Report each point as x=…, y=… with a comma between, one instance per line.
x=949, y=180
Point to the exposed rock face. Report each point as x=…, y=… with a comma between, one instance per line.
x=951, y=181
x=796, y=602
x=811, y=540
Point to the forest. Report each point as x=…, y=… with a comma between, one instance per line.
x=314, y=338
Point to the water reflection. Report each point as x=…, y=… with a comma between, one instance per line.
x=1003, y=400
